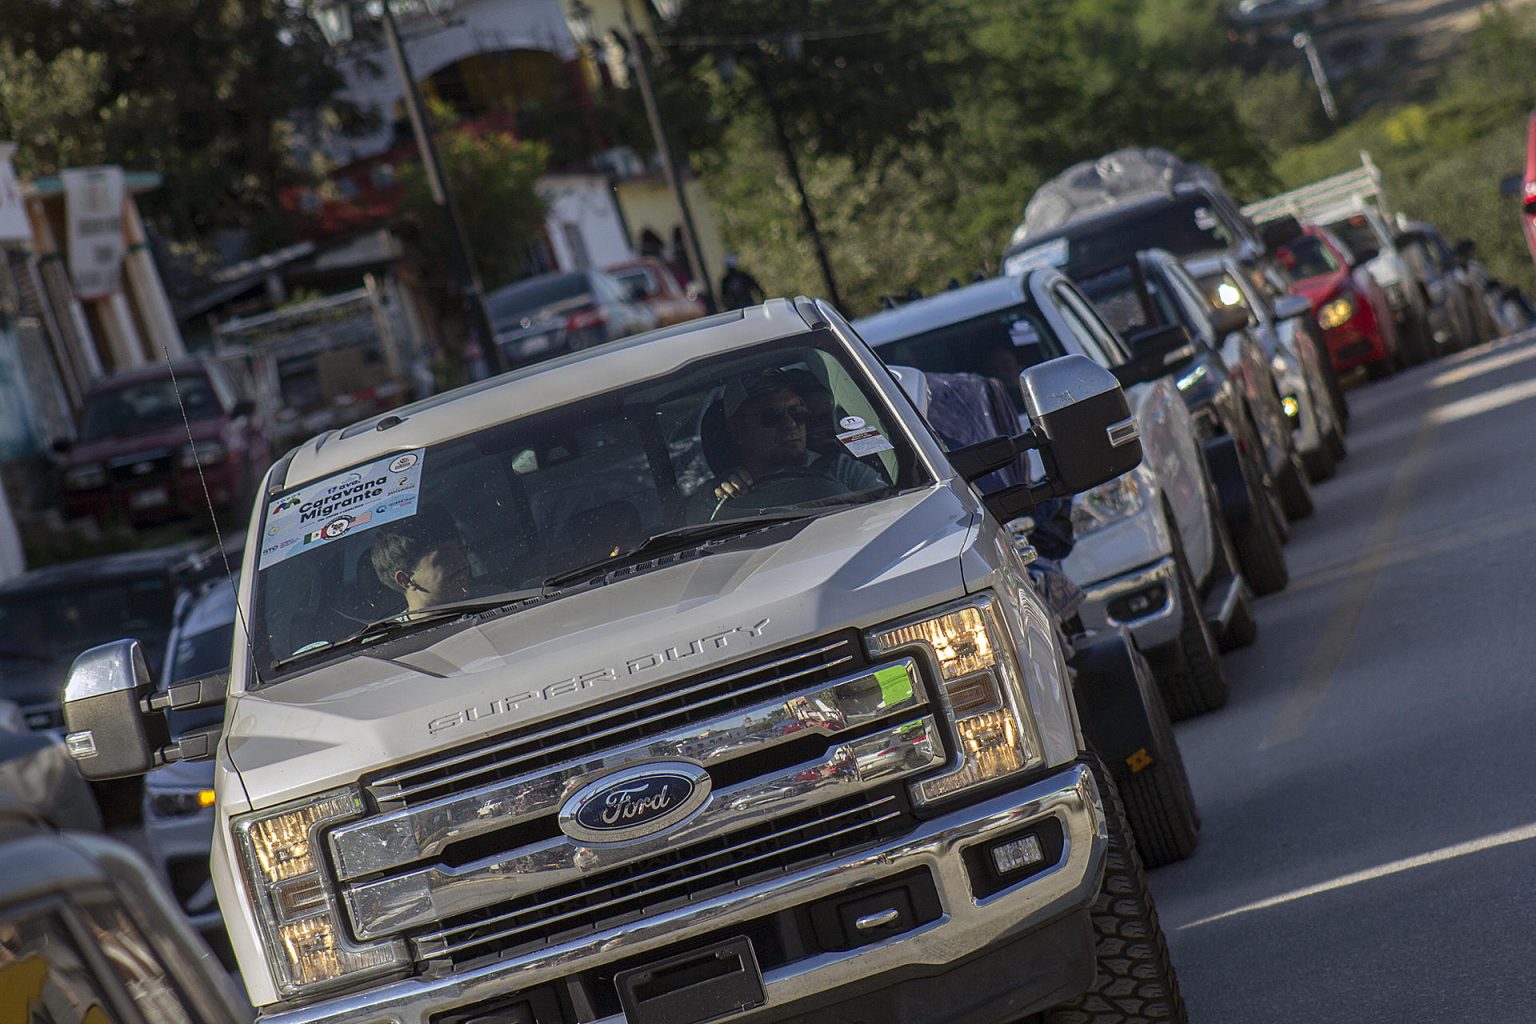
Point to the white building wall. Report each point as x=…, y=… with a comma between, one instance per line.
x=475, y=26
x=583, y=223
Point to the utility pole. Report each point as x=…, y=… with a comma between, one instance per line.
x=770, y=98
x=1303, y=41
x=641, y=62
x=482, y=353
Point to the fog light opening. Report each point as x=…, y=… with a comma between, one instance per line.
x=1014, y=855
x=1140, y=603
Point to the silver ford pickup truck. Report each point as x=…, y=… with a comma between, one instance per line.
x=682, y=679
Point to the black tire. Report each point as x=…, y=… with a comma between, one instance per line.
x=1336, y=445
x=1135, y=982
x=1381, y=368
x=1414, y=340
x=1295, y=491
x=1243, y=629
x=1258, y=542
x=1158, y=800
x=1189, y=674
x=1320, y=463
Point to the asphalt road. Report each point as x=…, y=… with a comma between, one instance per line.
x=1369, y=842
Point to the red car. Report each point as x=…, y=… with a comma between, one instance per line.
x=659, y=288
x=133, y=460
x=1349, y=305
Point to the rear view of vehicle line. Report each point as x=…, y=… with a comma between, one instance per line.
x=683, y=679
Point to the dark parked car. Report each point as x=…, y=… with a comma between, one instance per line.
x=552, y=314
x=133, y=458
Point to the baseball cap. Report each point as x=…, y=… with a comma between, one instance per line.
x=755, y=385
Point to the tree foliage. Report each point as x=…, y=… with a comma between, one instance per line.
x=201, y=91
x=492, y=177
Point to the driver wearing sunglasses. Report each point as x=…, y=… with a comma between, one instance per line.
x=768, y=422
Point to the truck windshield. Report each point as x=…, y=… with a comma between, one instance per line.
x=1306, y=257
x=1186, y=226
x=1123, y=304
x=791, y=428
x=1000, y=345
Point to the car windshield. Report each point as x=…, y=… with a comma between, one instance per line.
x=1000, y=345
x=1306, y=257
x=518, y=300
x=199, y=654
x=1186, y=226
x=1357, y=233
x=630, y=277
x=58, y=623
x=794, y=426
x=1124, y=305
x=144, y=407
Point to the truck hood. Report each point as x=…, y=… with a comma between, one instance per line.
x=854, y=568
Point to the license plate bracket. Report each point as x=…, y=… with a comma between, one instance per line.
x=694, y=987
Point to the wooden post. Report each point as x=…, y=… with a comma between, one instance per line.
x=143, y=280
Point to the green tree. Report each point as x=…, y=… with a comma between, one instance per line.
x=202, y=91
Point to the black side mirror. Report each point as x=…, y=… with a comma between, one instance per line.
x=1082, y=426
x=1227, y=320
x=116, y=722
x=1156, y=352
x=1289, y=307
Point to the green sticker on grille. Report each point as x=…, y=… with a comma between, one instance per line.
x=895, y=685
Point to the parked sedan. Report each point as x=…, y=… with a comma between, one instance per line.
x=1349, y=305
x=652, y=282
x=133, y=459
x=552, y=314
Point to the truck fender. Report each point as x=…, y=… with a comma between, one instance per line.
x=1225, y=462
x=1111, y=697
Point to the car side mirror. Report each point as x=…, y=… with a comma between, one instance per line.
x=115, y=721
x=1082, y=427
x=1227, y=320
x=1289, y=307
x=1155, y=352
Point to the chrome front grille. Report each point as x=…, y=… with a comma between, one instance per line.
x=808, y=752
x=613, y=724
x=666, y=882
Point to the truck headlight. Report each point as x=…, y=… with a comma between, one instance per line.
x=1335, y=313
x=1107, y=504
x=85, y=478
x=306, y=943
x=207, y=453
x=978, y=672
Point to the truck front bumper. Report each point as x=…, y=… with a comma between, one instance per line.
x=966, y=959
x=1146, y=601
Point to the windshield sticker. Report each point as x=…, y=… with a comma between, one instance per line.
x=851, y=422
x=1023, y=333
x=1046, y=254
x=1205, y=220
x=381, y=492
x=864, y=441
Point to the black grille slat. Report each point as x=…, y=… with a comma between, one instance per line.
x=618, y=722
x=674, y=879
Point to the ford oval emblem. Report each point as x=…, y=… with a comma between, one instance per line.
x=635, y=802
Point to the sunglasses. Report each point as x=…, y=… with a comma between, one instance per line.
x=797, y=414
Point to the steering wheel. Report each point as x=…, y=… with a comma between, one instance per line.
x=788, y=486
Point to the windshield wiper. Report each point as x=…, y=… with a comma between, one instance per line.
x=679, y=539
x=408, y=622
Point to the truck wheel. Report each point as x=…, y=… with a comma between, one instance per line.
x=1320, y=463
x=1135, y=982
x=1158, y=800
x=1259, y=543
x=1190, y=674
x=1243, y=630
x=1336, y=447
x=1295, y=491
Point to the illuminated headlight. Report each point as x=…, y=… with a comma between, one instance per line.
x=1335, y=313
x=1191, y=378
x=1227, y=294
x=85, y=478
x=302, y=933
x=1291, y=406
x=1107, y=504
x=978, y=671
x=206, y=453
